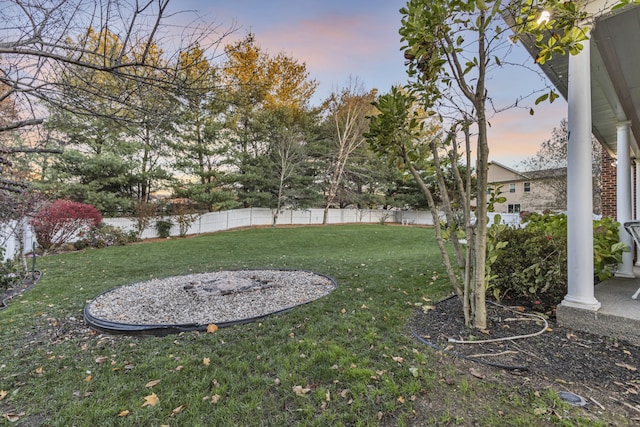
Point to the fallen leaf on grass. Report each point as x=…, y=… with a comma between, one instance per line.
x=401, y=399
x=88, y=378
x=206, y=361
x=179, y=368
x=299, y=391
x=3, y=394
x=39, y=370
x=124, y=413
x=101, y=359
x=212, y=328
x=629, y=367
x=152, y=383
x=476, y=373
x=12, y=417
x=344, y=393
x=151, y=400
x=215, y=398
x=427, y=308
x=178, y=410
x=397, y=359
x=379, y=415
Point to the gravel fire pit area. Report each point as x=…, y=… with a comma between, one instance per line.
x=192, y=302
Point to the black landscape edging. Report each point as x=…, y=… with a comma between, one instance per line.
x=162, y=330
x=5, y=302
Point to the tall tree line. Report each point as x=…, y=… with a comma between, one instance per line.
x=235, y=131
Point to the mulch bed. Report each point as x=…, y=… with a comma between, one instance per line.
x=603, y=371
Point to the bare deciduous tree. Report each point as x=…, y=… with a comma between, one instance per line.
x=41, y=40
x=552, y=156
x=348, y=110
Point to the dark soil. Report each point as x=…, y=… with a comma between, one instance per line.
x=601, y=370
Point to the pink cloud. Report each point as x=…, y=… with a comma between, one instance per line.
x=336, y=47
x=515, y=134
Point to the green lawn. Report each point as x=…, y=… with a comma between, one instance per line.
x=350, y=354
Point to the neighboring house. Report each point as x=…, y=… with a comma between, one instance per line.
x=528, y=191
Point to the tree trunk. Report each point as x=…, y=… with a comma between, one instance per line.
x=451, y=273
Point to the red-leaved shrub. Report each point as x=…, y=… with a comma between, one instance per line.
x=57, y=222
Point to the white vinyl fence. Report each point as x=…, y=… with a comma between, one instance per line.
x=251, y=217
x=9, y=238
x=226, y=220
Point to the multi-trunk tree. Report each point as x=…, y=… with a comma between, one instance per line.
x=451, y=48
x=347, y=110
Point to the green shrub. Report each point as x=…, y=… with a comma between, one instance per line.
x=607, y=249
x=532, y=266
x=105, y=235
x=163, y=227
x=9, y=272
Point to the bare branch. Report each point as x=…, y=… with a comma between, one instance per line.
x=21, y=124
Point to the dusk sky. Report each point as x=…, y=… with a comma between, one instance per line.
x=359, y=38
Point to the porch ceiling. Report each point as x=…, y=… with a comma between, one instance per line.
x=615, y=75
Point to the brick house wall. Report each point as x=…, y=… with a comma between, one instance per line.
x=609, y=191
x=608, y=185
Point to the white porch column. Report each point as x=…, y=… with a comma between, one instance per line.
x=623, y=198
x=580, y=293
x=637, y=199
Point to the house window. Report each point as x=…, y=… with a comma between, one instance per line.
x=512, y=188
x=527, y=187
x=514, y=208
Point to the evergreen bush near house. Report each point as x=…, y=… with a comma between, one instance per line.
x=58, y=222
x=532, y=266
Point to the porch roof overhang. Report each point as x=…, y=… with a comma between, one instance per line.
x=615, y=74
